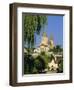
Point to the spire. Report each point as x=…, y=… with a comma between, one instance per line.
x=44, y=41
x=51, y=42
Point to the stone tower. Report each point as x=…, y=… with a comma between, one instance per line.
x=51, y=42
x=45, y=41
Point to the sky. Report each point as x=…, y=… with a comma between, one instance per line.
x=53, y=27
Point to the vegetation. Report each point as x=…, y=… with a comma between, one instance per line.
x=40, y=63
x=57, y=49
x=28, y=64
x=35, y=65
x=32, y=25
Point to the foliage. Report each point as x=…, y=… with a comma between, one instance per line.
x=32, y=25
x=39, y=64
x=60, y=70
x=56, y=49
x=35, y=65
x=28, y=64
x=45, y=57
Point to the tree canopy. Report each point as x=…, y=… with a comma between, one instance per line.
x=32, y=25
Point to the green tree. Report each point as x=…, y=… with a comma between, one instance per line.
x=28, y=64
x=58, y=48
x=32, y=25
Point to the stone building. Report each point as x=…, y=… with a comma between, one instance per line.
x=46, y=44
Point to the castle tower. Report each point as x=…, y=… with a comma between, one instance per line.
x=44, y=42
x=44, y=39
x=51, y=42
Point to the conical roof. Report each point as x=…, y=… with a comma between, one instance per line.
x=44, y=39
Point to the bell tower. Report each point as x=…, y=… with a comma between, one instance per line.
x=51, y=42
x=44, y=42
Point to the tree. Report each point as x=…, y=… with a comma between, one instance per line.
x=32, y=25
x=28, y=64
x=40, y=64
x=58, y=48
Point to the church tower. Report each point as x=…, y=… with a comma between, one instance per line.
x=44, y=39
x=51, y=42
x=44, y=43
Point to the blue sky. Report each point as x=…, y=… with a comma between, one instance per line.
x=54, y=27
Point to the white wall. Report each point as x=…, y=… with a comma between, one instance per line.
x=4, y=46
